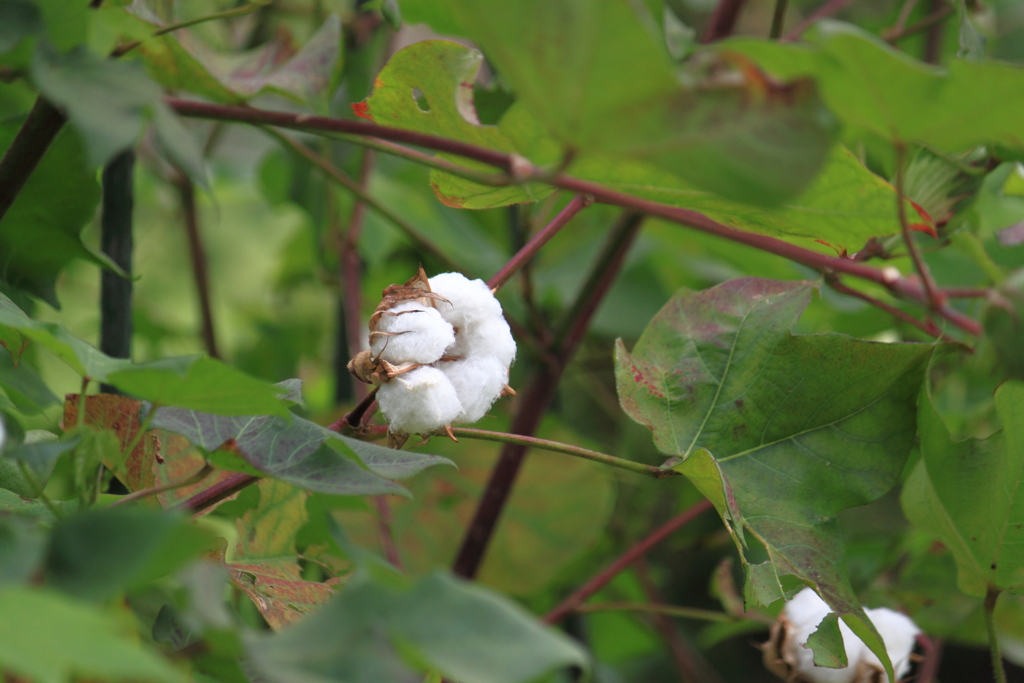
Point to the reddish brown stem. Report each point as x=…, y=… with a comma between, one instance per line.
x=722, y=21
x=353, y=418
x=530, y=249
x=929, y=671
x=537, y=397
x=926, y=326
x=387, y=539
x=604, y=577
x=692, y=219
x=28, y=147
x=350, y=272
x=934, y=300
x=200, y=270
x=964, y=293
x=826, y=10
x=218, y=492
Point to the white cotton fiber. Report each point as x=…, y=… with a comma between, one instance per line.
x=491, y=337
x=419, y=402
x=414, y=334
x=469, y=301
x=478, y=382
x=804, y=612
x=898, y=633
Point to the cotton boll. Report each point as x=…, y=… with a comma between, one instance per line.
x=491, y=337
x=419, y=401
x=416, y=334
x=804, y=613
x=478, y=382
x=899, y=634
x=469, y=301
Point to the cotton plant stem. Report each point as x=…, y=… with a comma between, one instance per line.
x=350, y=279
x=207, y=498
x=387, y=538
x=536, y=398
x=116, y=242
x=998, y=670
x=568, y=449
x=929, y=669
x=919, y=26
x=40, y=128
x=362, y=195
x=692, y=219
x=605, y=576
x=530, y=249
x=827, y=9
x=226, y=14
x=778, y=19
x=934, y=34
x=934, y=300
x=197, y=256
x=203, y=472
x=722, y=20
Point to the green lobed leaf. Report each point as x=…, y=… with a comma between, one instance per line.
x=966, y=492
x=462, y=630
x=781, y=432
x=880, y=89
x=40, y=236
x=1003, y=318
x=80, y=641
x=443, y=73
x=23, y=385
x=827, y=644
x=300, y=452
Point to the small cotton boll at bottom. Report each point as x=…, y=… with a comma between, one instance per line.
x=416, y=334
x=469, y=301
x=478, y=382
x=419, y=402
x=804, y=612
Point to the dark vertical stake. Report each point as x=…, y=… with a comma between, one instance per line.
x=116, y=242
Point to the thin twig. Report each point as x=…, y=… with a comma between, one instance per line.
x=904, y=16
x=691, y=664
x=934, y=300
x=919, y=26
x=568, y=449
x=197, y=255
x=826, y=10
x=933, y=38
x=604, y=577
x=658, y=608
x=121, y=50
x=207, y=498
x=203, y=472
x=350, y=279
x=523, y=256
x=362, y=196
x=353, y=419
x=778, y=18
x=964, y=293
x=926, y=326
x=539, y=394
x=998, y=670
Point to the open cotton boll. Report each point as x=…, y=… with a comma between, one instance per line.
x=419, y=401
x=804, y=612
x=899, y=633
x=478, y=382
x=414, y=334
x=469, y=301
